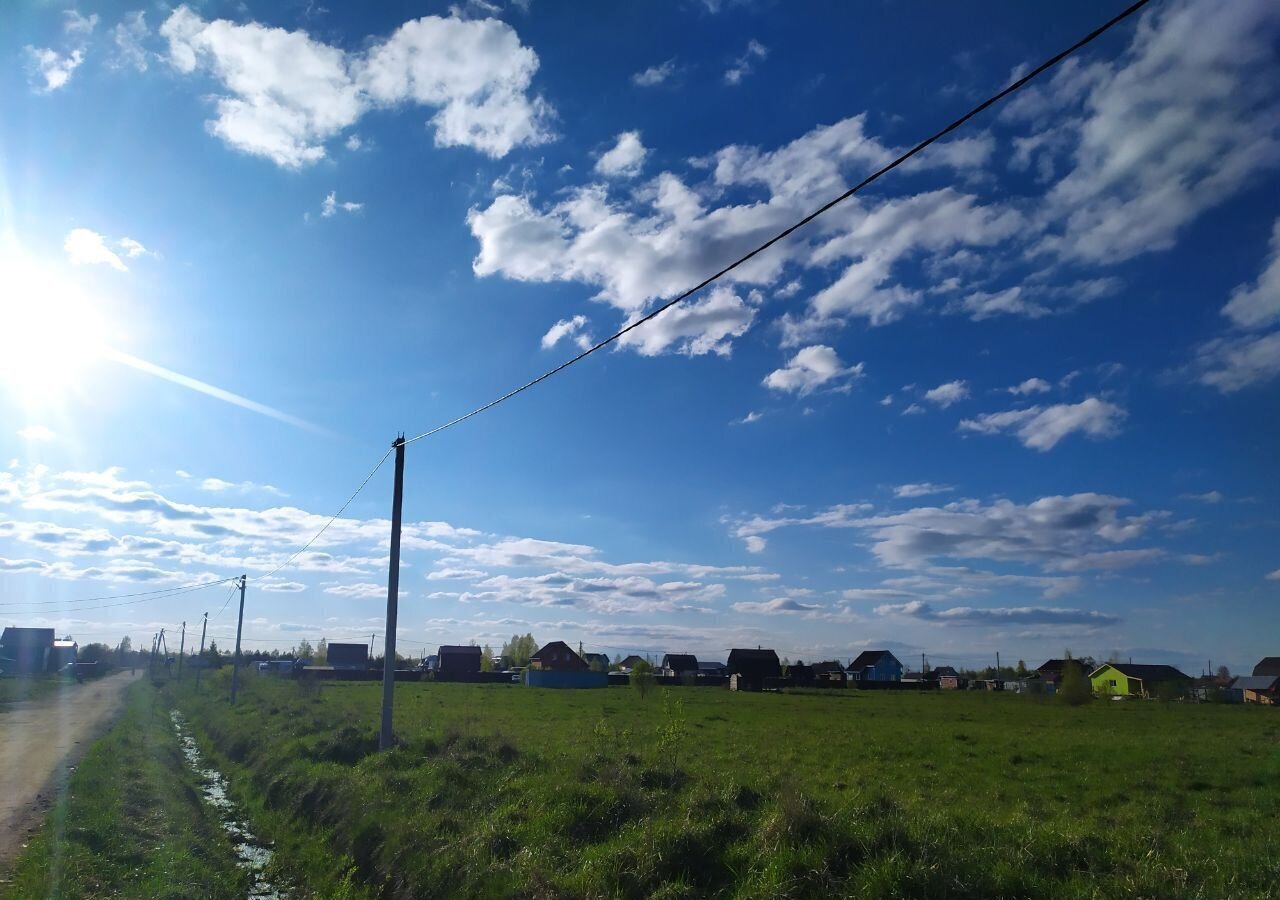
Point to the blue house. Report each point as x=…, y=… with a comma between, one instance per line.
x=875, y=665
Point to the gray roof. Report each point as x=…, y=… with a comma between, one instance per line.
x=1255, y=682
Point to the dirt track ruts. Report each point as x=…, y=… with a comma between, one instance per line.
x=40, y=742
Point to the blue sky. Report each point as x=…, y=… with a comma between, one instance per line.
x=1020, y=395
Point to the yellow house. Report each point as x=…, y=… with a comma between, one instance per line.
x=1132, y=680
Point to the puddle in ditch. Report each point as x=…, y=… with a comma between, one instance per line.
x=251, y=853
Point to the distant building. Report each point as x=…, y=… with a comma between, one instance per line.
x=679, y=664
x=829, y=671
x=875, y=665
x=1262, y=689
x=710, y=668
x=455, y=659
x=630, y=663
x=1051, y=672
x=749, y=668
x=558, y=656
x=26, y=651
x=62, y=653
x=1269, y=666
x=348, y=656
x=1132, y=680
x=597, y=662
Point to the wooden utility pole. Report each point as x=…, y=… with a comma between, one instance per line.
x=385, y=736
x=182, y=649
x=203, y=626
x=997, y=663
x=235, y=665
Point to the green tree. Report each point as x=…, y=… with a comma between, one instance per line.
x=486, y=659
x=642, y=679
x=322, y=653
x=1021, y=670
x=519, y=649
x=1074, y=689
x=304, y=649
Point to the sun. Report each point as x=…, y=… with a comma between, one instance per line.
x=50, y=332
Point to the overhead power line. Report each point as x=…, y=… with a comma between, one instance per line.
x=141, y=598
x=787, y=232
x=176, y=589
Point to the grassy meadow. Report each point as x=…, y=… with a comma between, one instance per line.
x=507, y=791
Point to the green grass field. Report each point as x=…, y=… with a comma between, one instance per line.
x=129, y=823
x=505, y=791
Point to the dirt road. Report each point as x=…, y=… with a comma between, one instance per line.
x=40, y=741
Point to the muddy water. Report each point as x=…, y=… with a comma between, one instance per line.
x=251, y=853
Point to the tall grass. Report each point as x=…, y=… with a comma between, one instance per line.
x=498, y=791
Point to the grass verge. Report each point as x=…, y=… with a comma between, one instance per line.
x=129, y=823
x=498, y=791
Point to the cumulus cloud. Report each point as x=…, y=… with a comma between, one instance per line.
x=945, y=395
x=696, y=327
x=85, y=247
x=774, y=607
x=132, y=248
x=287, y=94
x=750, y=417
x=1162, y=135
x=36, y=433
x=573, y=329
x=330, y=207
x=51, y=69
x=1212, y=497
x=625, y=158
x=812, y=368
x=1257, y=305
x=1030, y=386
x=655, y=75
x=1041, y=428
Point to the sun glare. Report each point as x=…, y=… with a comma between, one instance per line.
x=51, y=332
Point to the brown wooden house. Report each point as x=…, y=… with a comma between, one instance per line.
x=558, y=656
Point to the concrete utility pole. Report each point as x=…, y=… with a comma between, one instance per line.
x=235, y=666
x=203, y=626
x=182, y=649
x=385, y=736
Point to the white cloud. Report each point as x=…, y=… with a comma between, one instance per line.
x=36, y=433
x=1273, y=576
x=945, y=395
x=744, y=65
x=1257, y=305
x=1211, y=497
x=53, y=68
x=1041, y=428
x=128, y=36
x=812, y=368
x=915, y=409
x=655, y=75
x=218, y=486
x=131, y=247
x=1163, y=134
x=573, y=329
x=354, y=143
x=1030, y=386
x=922, y=489
x=750, y=417
x=754, y=543
x=1236, y=362
x=694, y=328
x=1022, y=615
x=625, y=159
x=85, y=247
x=779, y=606
x=330, y=206
x=288, y=94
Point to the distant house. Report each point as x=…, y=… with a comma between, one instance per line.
x=1052, y=670
x=630, y=663
x=875, y=665
x=917, y=677
x=828, y=671
x=711, y=668
x=749, y=668
x=26, y=651
x=680, y=664
x=454, y=659
x=597, y=662
x=348, y=656
x=1269, y=666
x=1263, y=689
x=558, y=656
x=1132, y=680
x=940, y=672
x=800, y=673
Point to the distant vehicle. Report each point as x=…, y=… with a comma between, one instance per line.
x=264, y=667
